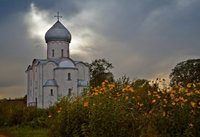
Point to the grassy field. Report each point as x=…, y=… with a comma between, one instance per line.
x=24, y=132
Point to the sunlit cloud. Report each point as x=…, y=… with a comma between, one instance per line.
x=37, y=22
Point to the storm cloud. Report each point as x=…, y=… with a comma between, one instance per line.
x=141, y=38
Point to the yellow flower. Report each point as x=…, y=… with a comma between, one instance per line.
x=111, y=86
x=96, y=93
x=164, y=114
x=172, y=95
x=153, y=101
x=189, y=85
x=188, y=94
x=140, y=104
x=106, y=81
x=191, y=125
x=181, y=98
x=85, y=104
x=58, y=111
x=193, y=104
x=126, y=98
x=131, y=89
x=158, y=96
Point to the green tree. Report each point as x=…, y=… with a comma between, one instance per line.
x=100, y=71
x=186, y=72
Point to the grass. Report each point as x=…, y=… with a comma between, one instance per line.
x=24, y=132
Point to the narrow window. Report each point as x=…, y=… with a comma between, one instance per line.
x=69, y=92
x=35, y=101
x=53, y=53
x=51, y=92
x=62, y=53
x=69, y=76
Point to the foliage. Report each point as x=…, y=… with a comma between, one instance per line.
x=16, y=113
x=124, y=108
x=100, y=71
x=186, y=72
x=24, y=131
x=137, y=108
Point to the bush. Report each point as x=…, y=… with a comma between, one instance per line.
x=135, y=109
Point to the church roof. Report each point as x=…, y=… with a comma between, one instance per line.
x=51, y=82
x=58, y=32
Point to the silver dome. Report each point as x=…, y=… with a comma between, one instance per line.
x=58, y=32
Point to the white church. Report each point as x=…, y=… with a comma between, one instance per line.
x=58, y=75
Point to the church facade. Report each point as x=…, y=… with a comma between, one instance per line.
x=58, y=75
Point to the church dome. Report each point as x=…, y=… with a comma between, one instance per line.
x=58, y=32
x=67, y=63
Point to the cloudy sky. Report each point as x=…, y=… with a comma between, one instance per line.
x=141, y=38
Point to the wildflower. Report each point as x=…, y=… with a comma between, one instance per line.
x=153, y=101
x=158, y=96
x=49, y=116
x=140, y=104
x=58, y=111
x=85, y=104
x=96, y=93
x=173, y=103
x=165, y=100
x=106, y=81
x=149, y=93
x=164, y=114
x=131, y=89
x=172, y=95
x=191, y=125
x=193, y=104
x=126, y=98
x=111, y=86
x=189, y=85
x=188, y=94
x=181, y=98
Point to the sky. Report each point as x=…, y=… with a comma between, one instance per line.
x=143, y=39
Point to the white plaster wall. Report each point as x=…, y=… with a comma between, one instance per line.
x=40, y=86
x=48, y=71
x=57, y=46
x=48, y=99
x=29, y=87
x=61, y=76
x=81, y=71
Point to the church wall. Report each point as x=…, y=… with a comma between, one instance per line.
x=50, y=96
x=35, y=83
x=81, y=71
x=48, y=71
x=65, y=84
x=83, y=75
x=40, y=86
x=30, y=94
x=57, y=49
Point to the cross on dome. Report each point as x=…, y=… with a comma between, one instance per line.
x=58, y=16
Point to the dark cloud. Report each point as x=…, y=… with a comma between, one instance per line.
x=143, y=39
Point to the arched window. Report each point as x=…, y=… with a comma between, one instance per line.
x=52, y=52
x=61, y=52
x=69, y=76
x=51, y=92
x=35, y=101
x=69, y=92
